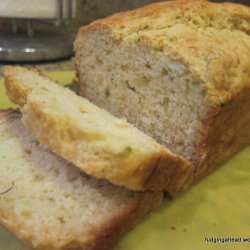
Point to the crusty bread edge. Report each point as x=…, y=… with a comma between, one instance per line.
x=120, y=19
x=226, y=132
x=15, y=94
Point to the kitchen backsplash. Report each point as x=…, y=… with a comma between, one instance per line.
x=89, y=10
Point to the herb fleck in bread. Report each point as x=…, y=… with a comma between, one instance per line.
x=51, y=205
x=178, y=70
x=98, y=143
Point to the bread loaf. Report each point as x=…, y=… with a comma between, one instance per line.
x=98, y=143
x=178, y=70
x=51, y=205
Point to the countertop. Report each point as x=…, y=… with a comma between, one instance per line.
x=60, y=65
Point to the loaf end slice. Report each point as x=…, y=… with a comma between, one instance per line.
x=50, y=204
x=95, y=141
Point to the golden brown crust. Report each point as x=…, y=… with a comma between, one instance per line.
x=226, y=131
x=175, y=178
x=16, y=95
x=211, y=39
x=14, y=92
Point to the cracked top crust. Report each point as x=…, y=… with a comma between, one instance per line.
x=212, y=40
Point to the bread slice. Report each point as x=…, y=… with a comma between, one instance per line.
x=50, y=204
x=95, y=141
x=178, y=70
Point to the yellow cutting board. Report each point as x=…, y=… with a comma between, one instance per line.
x=217, y=208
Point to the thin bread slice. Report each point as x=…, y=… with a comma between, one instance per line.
x=49, y=204
x=97, y=142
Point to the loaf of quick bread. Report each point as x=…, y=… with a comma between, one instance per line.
x=95, y=141
x=51, y=205
x=178, y=70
